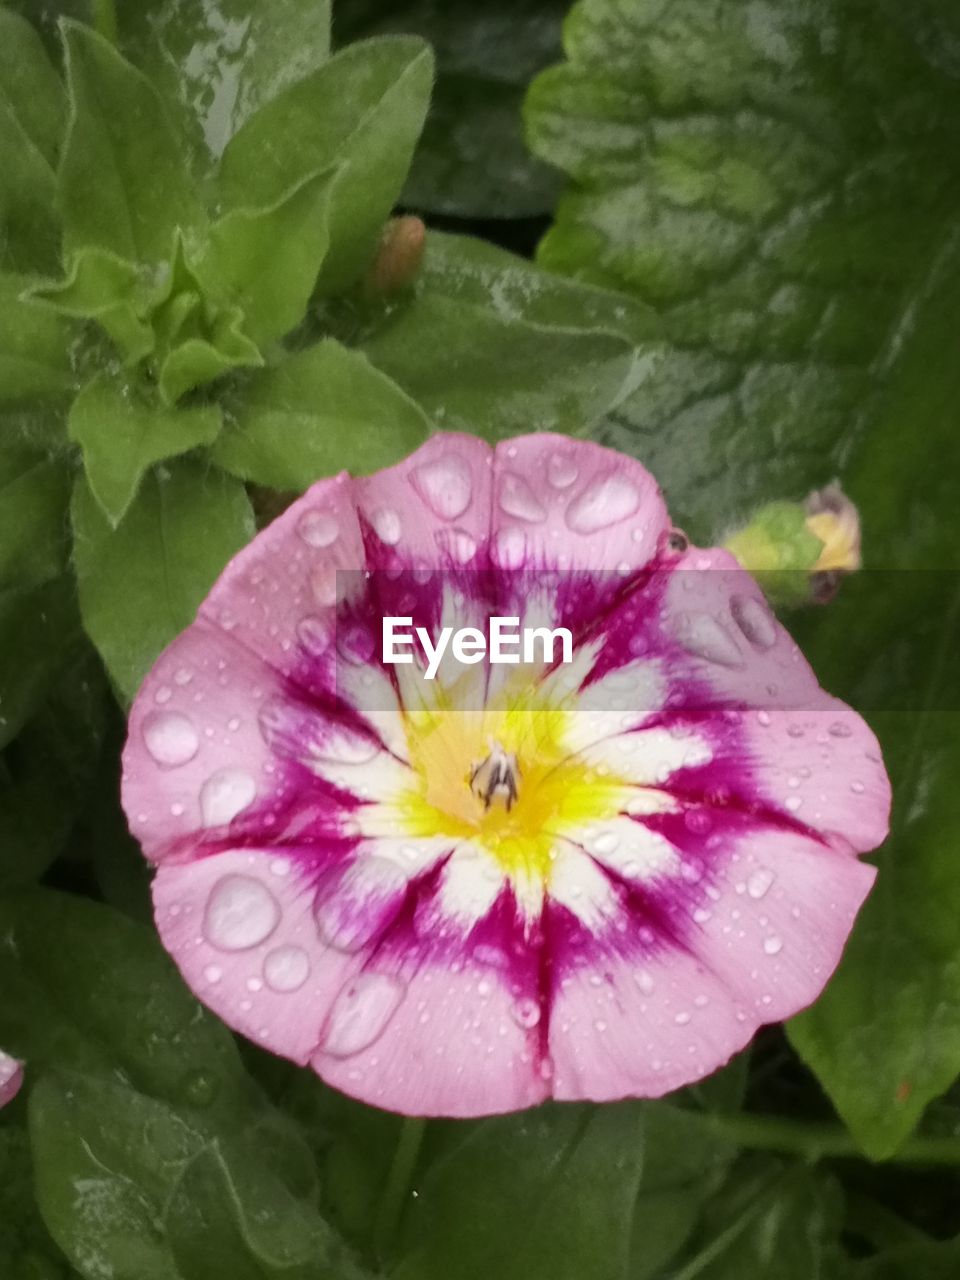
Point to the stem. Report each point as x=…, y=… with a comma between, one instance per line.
x=105, y=19
x=820, y=1141
x=397, y=1187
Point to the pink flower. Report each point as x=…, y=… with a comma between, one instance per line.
x=464, y=895
x=11, y=1078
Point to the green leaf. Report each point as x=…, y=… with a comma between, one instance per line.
x=769, y=1224
x=473, y=272
x=198, y=338
x=364, y=110
x=34, y=491
x=251, y=51
x=34, y=347
x=61, y=741
x=124, y=184
x=753, y=188
x=32, y=118
x=141, y=583
x=265, y=261
x=26, y=1249
x=225, y=1214
x=217, y=346
x=87, y=989
x=123, y=432
x=475, y=309
x=607, y=1192
x=117, y=294
x=317, y=412
x=885, y=1038
x=139, y=1189
x=472, y=160
x=38, y=629
x=105, y=1158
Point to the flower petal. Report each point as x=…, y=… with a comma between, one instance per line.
x=433, y=509
x=572, y=505
x=11, y=1078
x=241, y=927
x=278, y=597
x=434, y=1040
x=642, y=1022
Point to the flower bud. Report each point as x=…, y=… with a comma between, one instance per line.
x=399, y=256
x=799, y=552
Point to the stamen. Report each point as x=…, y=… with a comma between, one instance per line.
x=496, y=777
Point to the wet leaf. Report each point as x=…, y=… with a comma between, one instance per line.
x=777, y=180
x=34, y=491
x=32, y=119
x=141, y=583
x=362, y=110
x=117, y=294
x=124, y=184
x=60, y=745
x=317, y=412
x=218, y=62
x=771, y=1223
x=561, y=362
x=38, y=631
x=123, y=432
x=472, y=161
x=26, y=1249
x=265, y=261
x=610, y=1192
x=34, y=347
x=781, y=183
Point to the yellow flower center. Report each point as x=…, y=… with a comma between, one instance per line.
x=458, y=753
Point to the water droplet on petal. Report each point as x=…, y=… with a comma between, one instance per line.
x=605, y=842
x=286, y=968
x=225, y=794
x=313, y=635
x=213, y=973
x=170, y=738
x=773, y=945
x=445, y=485
x=240, y=914
x=525, y=1013
x=706, y=637
x=759, y=882
x=518, y=499
x=605, y=501
x=457, y=543
x=644, y=980
x=318, y=528
x=323, y=582
x=754, y=620
x=840, y=730
x=510, y=548
x=360, y=1013
x=386, y=522
x=793, y=803
x=561, y=470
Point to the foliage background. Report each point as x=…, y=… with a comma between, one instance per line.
x=722, y=235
